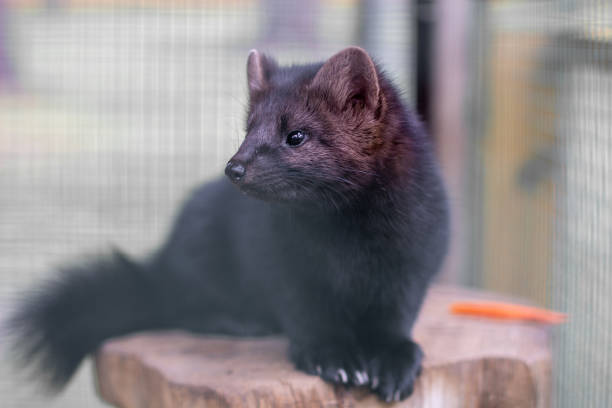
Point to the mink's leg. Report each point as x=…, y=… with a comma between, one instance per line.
x=393, y=358
x=324, y=343
x=393, y=369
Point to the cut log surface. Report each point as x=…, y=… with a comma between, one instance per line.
x=470, y=362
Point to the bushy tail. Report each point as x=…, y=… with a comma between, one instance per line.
x=59, y=323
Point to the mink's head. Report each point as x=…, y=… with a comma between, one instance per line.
x=314, y=133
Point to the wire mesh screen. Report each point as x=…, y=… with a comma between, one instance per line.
x=540, y=150
x=582, y=280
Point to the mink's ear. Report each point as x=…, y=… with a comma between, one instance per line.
x=349, y=78
x=259, y=70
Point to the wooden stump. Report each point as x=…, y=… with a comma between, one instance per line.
x=470, y=362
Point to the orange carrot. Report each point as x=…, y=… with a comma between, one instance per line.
x=509, y=311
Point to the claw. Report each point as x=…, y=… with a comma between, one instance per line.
x=374, y=383
x=361, y=377
x=396, y=396
x=343, y=376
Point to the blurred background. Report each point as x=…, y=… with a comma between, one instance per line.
x=111, y=110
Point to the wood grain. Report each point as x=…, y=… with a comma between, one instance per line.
x=470, y=362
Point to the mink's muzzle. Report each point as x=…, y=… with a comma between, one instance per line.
x=235, y=171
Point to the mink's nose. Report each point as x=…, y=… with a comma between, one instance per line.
x=235, y=171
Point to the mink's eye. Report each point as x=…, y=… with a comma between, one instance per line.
x=295, y=138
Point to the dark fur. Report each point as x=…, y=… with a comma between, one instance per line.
x=336, y=253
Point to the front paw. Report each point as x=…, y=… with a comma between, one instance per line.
x=393, y=370
x=334, y=363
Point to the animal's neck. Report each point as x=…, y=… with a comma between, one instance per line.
x=377, y=213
